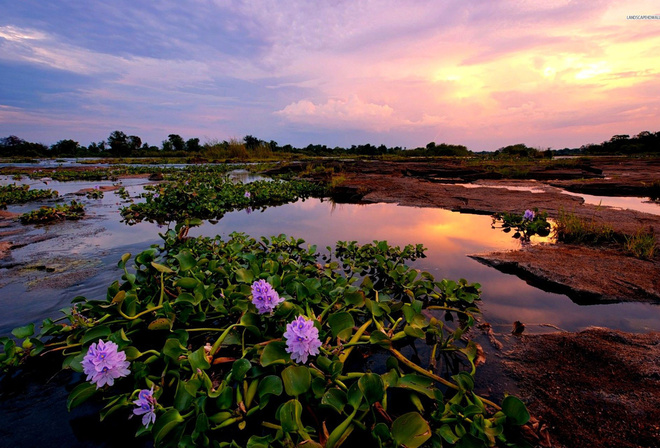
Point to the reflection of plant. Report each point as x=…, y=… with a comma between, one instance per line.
x=60, y=212
x=350, y=372
x=20, y=194
x=526, y=225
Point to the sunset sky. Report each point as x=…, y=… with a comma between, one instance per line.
x=483, y=74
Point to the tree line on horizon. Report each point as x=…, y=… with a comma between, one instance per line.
x=121, y=145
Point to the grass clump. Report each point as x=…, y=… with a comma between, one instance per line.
x=572, y=228
x=642, y=244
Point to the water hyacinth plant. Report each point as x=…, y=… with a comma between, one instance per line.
x=60, y=212
x=364, y=350
x=530, y=223
x=20, y=194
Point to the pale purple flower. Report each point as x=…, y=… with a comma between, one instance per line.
x=146, y=406
x=247, y=194
x=528, y=215
x=264, y=297
x=103, y=364
x=302, y=339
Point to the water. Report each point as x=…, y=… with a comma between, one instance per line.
x=84, y=255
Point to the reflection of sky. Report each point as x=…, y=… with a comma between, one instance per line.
x=449, y=236
x=632, y=203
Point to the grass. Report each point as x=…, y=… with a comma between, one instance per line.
x=571, y=228
x=642, y=244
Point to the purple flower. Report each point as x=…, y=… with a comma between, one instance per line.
x=247, y=194
x=529, y=215
x=248, y=210
x=103, y=364
x=146, y=406
x=264, y=297
x=302, y=339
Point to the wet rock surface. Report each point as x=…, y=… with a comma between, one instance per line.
x=598, y=388
x=587, y=275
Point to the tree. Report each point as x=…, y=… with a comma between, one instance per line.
x=65, y=148
x=119, y=146
x=251, y=143
x=177, y=142
x=193, y=145
x=134, y=142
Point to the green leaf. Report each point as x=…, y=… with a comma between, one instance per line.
x=334, y=398
x=80, y=394
x=244, y=276
x=270, y=385
x=297, y=380
x=161, y=268
x=164, y=424
x=290, y=414
x=372, y=387
x=239, y=369
x=186, y=260
x=23, y=332
x=410, y=430
x=274, y=353
x=465, y=381
x=96, y=333
x=417, y=383
x=446, y=433
x=341, y=324
x=515, y=410
x=173, y=349
x=182, y=398
x=187, y=282
x=198, y=359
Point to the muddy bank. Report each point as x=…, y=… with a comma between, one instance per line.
x=587, y=275
x=598, y=388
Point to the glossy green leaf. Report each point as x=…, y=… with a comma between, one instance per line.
x=410, y=430
x=24, y=331
x=165, y=424
x=80, y=394
x=274, y=353
x=297, y=380
x=244, y=276
x=198, y=359
x=186, y=260
x=341, y=324
x=372, y=387
x=96, y=333
x=290, y=414
x=239, y=369
x=515, y=410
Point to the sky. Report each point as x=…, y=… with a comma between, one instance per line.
x=401, y=73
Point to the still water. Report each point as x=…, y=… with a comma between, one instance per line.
x=82, y=257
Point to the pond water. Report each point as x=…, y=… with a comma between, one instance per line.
x=82, y=258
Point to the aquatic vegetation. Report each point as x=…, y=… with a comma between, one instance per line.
x=60, y=212
x=95, y=193
x=373, y=351
x=206, y=197
x=526, y=225
x=20, y=194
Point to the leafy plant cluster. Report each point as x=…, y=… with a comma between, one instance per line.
x=525, y=225
x=60, y=212
x=395, y=367
x=20, y=194
x=95, y=193
x=201, y=195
